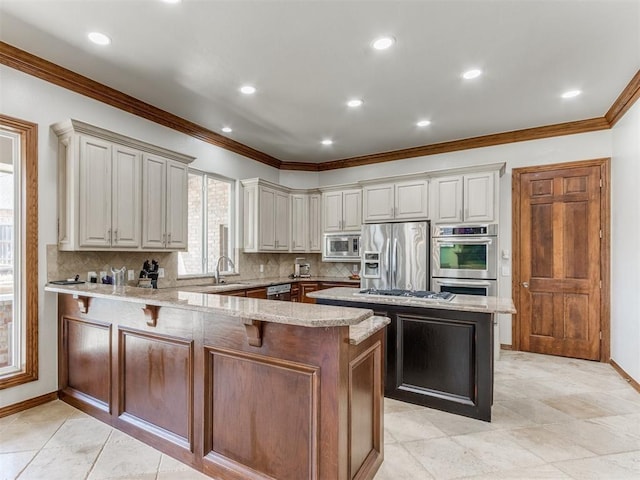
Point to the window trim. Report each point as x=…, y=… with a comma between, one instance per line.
x=232, y=225
x=28, y=133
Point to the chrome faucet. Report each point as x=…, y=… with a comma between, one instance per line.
x=216, y=272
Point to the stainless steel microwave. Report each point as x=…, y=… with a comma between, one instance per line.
x=340, y=247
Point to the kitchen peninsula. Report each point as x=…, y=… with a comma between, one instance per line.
x=439, y=353
x=239, y=388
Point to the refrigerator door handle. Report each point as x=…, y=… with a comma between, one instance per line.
x=394, y=264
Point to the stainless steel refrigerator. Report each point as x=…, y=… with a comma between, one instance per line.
x=395, y=255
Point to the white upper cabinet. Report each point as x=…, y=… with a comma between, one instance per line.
x=100, y=182
x=315, y=222
x=299, y=222
x=342, y=210
x=266, y=217
x=467, y=198
x=306, y=223
x=164, y=204
x=406, y=200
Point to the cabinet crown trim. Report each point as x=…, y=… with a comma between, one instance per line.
x=71, y=126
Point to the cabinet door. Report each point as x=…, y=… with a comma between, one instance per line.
x=306, y=288
x=266, y=219
x=95, y=193
x=177, y=207
x=257, y=293
x=153, y=202
x=282, y=222
x=352, y=210
x=299, y=223
x=378, y=202
x=411, y=200
x=447, y=202
x=315, y=223
x=479, y=197
x=126, y=209
x=332, y=211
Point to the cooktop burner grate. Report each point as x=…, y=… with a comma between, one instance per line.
x=396, y=292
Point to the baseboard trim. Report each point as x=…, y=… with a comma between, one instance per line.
x=506, y=346
x=625, y=375
x=27, y=404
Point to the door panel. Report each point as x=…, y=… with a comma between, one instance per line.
x=559, y=310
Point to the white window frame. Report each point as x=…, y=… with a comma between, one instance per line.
x=204, y=227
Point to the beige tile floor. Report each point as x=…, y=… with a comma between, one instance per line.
x=553, y=418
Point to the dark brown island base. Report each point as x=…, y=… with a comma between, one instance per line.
x=438, y=353
x=238, y=388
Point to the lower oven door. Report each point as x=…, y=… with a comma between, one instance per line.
x=483, y=288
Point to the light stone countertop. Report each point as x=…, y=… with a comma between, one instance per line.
x=231, y=285
x=291, y=313
x=462, y=303
x=360, y=332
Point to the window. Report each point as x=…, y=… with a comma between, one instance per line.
x=210, y=225
x=18, y=252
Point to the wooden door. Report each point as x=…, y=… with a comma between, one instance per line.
x=558, y=230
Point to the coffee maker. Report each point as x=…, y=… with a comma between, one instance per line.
x=301, y=268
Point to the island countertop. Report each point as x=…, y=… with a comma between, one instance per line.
x=463, y=303
x=290, y=313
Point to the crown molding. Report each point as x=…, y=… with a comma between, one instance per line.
x=536, y=133
x=38, y=67
x=625, y=100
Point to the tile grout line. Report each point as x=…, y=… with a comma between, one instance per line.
x=40, y=449
x=104, y=444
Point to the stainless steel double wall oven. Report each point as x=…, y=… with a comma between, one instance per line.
x=464, y=259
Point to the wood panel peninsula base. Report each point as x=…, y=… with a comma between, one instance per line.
x=238, y=388
x=439, y=354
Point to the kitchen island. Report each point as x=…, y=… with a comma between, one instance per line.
x=438, y=353
x=238, y=388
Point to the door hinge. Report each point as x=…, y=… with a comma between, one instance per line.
x=600, y=284
x=600, y=335
x=600, y=183
x=600, y=233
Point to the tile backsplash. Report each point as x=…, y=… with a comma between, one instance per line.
x=62, y=265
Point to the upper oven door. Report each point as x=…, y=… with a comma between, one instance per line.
x=464, y=257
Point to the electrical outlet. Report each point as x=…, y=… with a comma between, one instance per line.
x=131, y=275
x=261, y=268
x=161, y=272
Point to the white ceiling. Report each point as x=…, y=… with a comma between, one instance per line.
x=308, y=57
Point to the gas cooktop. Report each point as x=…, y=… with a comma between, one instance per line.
x=396, y=292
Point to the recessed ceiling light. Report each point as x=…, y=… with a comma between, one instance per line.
x=423, y=123
x=248, y=90
x=469, y=74
x=99, y=38
x=571, y=93
x=327, y=141
x=383, y=43
x=227, y=129
x=356, y=102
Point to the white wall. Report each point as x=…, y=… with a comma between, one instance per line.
x=31, y=99
x=34, y=100
x=625, y=243
x=536, y=152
